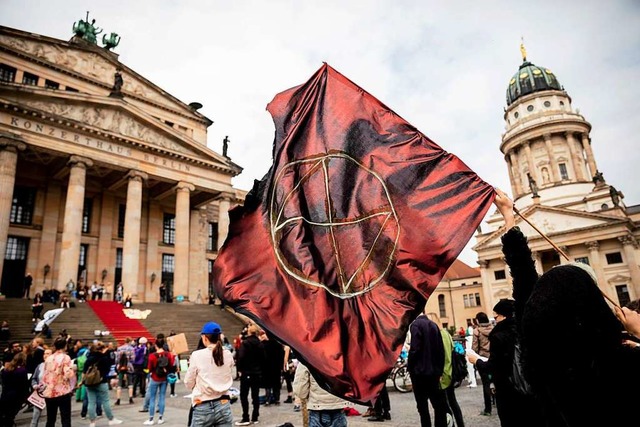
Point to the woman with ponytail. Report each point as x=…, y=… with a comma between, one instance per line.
x=209, y=376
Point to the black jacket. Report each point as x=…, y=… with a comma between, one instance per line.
x=503, y=339
x=595, y=383
x=104, y=364
x=426, y=355
x=251, y=356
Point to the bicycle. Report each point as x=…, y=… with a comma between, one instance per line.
x=400, y=375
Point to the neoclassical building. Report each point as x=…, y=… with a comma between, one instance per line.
x=103, y=175
x=557, y=186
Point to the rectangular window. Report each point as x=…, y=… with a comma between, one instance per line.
x=24, y=199
x=169, y=229
x=118, y=257
x=167, y=263
x=466, y=301
x=212, y=241
x=623, y=295
x=122, y=210
x=84, y=250
x=71, y=89
x=7, y=73
x=583, y=259
x=499, y=275
x=478, y=304
x=30, y=79
x=51, y=84
x=86, y=215
x=614, y=258
x=563, y=171
x=441, y=307
x=16, y=248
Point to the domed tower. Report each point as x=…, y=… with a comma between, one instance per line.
x=546, y=144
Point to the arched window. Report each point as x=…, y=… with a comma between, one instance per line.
x=441, y=306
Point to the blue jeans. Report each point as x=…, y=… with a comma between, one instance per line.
x=327, y=418
x=161, y=389
x=99, y=394
x=212, y=414
x=85, y=404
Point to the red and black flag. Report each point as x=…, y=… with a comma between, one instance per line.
x=339, y=246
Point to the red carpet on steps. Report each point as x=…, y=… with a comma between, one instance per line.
x=119, y=325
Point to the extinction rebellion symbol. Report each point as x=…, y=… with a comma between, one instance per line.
x=333, y=224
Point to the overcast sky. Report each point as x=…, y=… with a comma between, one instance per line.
x=442, y=65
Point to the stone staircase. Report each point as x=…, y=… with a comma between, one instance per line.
x=80, y=321
x=188, y=318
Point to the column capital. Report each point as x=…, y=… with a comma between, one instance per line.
x=79, y=161
x=569, y=134
x=483, y=263
x=628, y=239
x=593, y=245
x=135, y=175
x=12, y=142
x=547, y=137
x=185, y=186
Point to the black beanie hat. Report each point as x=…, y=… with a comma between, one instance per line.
x=505, y=307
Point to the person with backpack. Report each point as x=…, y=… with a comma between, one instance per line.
x=481, y=345
x=160, y=366
x=448, y=380
x=426, y=365
x=95, y=378
x=140, y=362
x=125, y=355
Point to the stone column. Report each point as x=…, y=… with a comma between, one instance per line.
x=49, y=231
x=181, y=273
x=154, y=256
x=591, y=160
x=198, y=271
x=513, y=183
x=555, y=173
x=223, y=221
x=596, y=264
x=72, y=228
x=538, y=262
x=517, y=179
x=9, y=146
x=532, y=167
x=576, y=158
x=487, y=288
x=106, y=255
x=563, y=260
x=630, y=244
x=131, y=241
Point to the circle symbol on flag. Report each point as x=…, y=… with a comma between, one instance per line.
x=333, y=224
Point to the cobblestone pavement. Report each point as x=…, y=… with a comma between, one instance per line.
x=403, y=411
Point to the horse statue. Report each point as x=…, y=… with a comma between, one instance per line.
x=111, y=42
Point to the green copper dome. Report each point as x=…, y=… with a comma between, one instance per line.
x=530, y=78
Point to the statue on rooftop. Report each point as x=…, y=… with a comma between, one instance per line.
x=111, y=42
x=598, y=178
x=116, y=90
x=87, y=31
x=533, y=185
x=225, y=146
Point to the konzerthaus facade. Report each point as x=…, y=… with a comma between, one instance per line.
x=104, y=176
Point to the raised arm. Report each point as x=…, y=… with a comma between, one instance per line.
x=517, y=255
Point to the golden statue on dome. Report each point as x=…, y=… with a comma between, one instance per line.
x=523, y=50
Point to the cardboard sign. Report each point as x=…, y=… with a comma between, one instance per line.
x=178, y=343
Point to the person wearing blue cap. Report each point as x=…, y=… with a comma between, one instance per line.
x=209, y=377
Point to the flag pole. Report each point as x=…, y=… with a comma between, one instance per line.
x=560, y=251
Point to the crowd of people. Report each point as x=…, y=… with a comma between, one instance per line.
x=527, y=368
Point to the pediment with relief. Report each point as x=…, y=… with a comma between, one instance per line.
x=91, y=65
x=109, y=119
x=550, y=221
